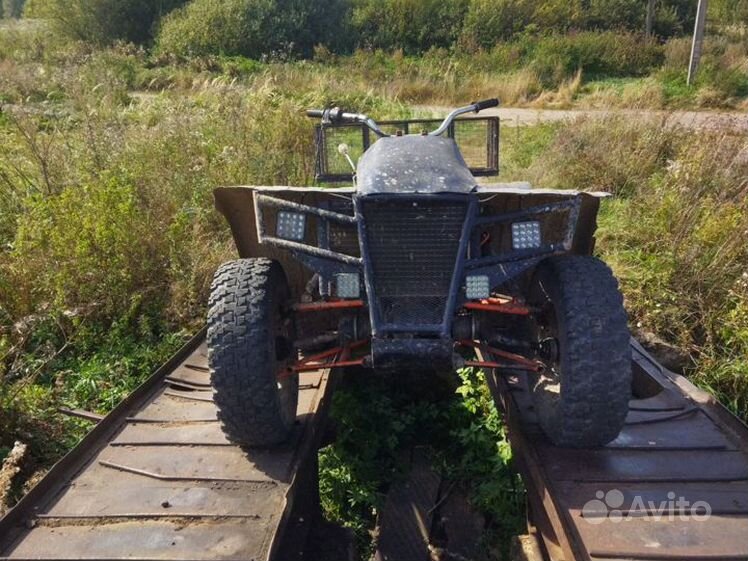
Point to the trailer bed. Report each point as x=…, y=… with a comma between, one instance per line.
x=157, y=479
x=620, y=502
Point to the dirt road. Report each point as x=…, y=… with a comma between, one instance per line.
x=737, y=122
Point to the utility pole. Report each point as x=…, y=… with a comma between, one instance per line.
x=650, y=16
x=698, y=40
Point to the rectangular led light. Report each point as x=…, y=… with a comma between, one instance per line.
x=291, y=226
x=347, y=285
x=526, y=235
x=477, y=287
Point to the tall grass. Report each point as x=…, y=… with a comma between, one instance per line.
x=674, y=234
x=108, y=239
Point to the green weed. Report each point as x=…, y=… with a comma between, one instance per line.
x=377, y=419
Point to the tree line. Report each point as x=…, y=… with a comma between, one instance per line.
x=256, y=28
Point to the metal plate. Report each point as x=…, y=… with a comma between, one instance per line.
x=148, y=539
x=678, y=443
x=171, y=488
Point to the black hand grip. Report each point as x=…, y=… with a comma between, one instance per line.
x=486, y=104
x=315, y=113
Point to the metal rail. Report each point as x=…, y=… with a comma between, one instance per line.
x=628, y=499
x=157, y=479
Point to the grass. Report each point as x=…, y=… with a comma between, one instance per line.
x=378, y=418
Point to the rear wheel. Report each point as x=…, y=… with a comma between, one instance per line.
x=581, y=397
x=250, y=341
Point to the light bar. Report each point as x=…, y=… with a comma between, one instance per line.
x=291, y=226
x=477, y=287
x=526, y=235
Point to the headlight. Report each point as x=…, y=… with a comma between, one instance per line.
x=347, y=285
x=477, y=288
x=526, y=235
x=291, y=226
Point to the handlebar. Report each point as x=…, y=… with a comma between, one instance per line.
x=485, y=104
x=337, y=116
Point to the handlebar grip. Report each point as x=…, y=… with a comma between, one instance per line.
x=315, y=113
x=486, y=104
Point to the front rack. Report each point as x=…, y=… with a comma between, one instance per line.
x=476, y=137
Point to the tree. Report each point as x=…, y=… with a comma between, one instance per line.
x=11, y=8
x=104, y=21
x=650, y=16
x=253, y=28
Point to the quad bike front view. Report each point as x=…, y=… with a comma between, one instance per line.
x=416, y=267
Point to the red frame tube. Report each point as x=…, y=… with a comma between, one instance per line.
x=340, y=358
x=523, y=362
x=491, y=364
x=327, y=305
x=500, y=306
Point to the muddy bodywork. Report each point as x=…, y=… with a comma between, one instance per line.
x=411, y=242
x=345, y=230
x=414, y=164
x=237, y=204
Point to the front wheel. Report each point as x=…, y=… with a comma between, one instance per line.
x=250, y=342
x=581, y=332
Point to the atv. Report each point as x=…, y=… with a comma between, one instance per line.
x=416, y=267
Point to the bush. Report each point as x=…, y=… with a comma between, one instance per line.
x=412, y=25
x=616, y=14
x=730, y=12
x=490, y=21
x=104, y=21
x=98, y=241
x=11, y=8
x=253, y=28
x=609, y=54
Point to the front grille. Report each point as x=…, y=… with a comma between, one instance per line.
x=343, y=238
x=413, y=246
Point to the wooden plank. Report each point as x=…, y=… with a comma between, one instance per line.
x=405, y=524
x=463, y=524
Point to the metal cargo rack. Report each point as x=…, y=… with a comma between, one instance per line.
x=477, y=138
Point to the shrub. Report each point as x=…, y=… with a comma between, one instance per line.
x=11, y=8
x=730, y=12
x=412, y=25
x=104, y=21
x=98, y=240
x=610, y=54
x=253, y=28
x=490, y=21
x=616, y=14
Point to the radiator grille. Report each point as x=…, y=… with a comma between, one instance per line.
x=413, y=248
